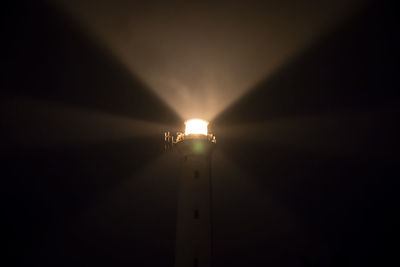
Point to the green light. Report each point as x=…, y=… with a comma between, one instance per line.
x=198, y=146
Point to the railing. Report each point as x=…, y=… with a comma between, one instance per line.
x=169, y=141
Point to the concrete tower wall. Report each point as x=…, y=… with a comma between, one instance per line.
x=194, y=229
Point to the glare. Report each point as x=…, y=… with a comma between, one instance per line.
x=196, y=126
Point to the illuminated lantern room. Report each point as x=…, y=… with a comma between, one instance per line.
x=196, y=126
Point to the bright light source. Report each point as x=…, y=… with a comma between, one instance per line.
x=196, y=126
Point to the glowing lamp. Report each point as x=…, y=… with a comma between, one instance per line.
x=196, y=126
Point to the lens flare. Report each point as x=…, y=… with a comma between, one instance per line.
x=196, y=126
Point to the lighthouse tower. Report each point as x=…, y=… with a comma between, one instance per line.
x=194, y=227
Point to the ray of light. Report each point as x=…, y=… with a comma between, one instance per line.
x=337, y=133
x=233, y=186
x=113, y=211
x=200, y=57
x=153, y=184
x=32, y=123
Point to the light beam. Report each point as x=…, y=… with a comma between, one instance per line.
x=56, y=125
x=200, y=57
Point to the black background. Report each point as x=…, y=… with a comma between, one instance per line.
x=319, y=189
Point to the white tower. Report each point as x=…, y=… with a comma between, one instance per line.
x=193, y=227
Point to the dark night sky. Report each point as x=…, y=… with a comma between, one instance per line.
x=305, y=172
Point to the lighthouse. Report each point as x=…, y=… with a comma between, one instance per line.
x=194, y=209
